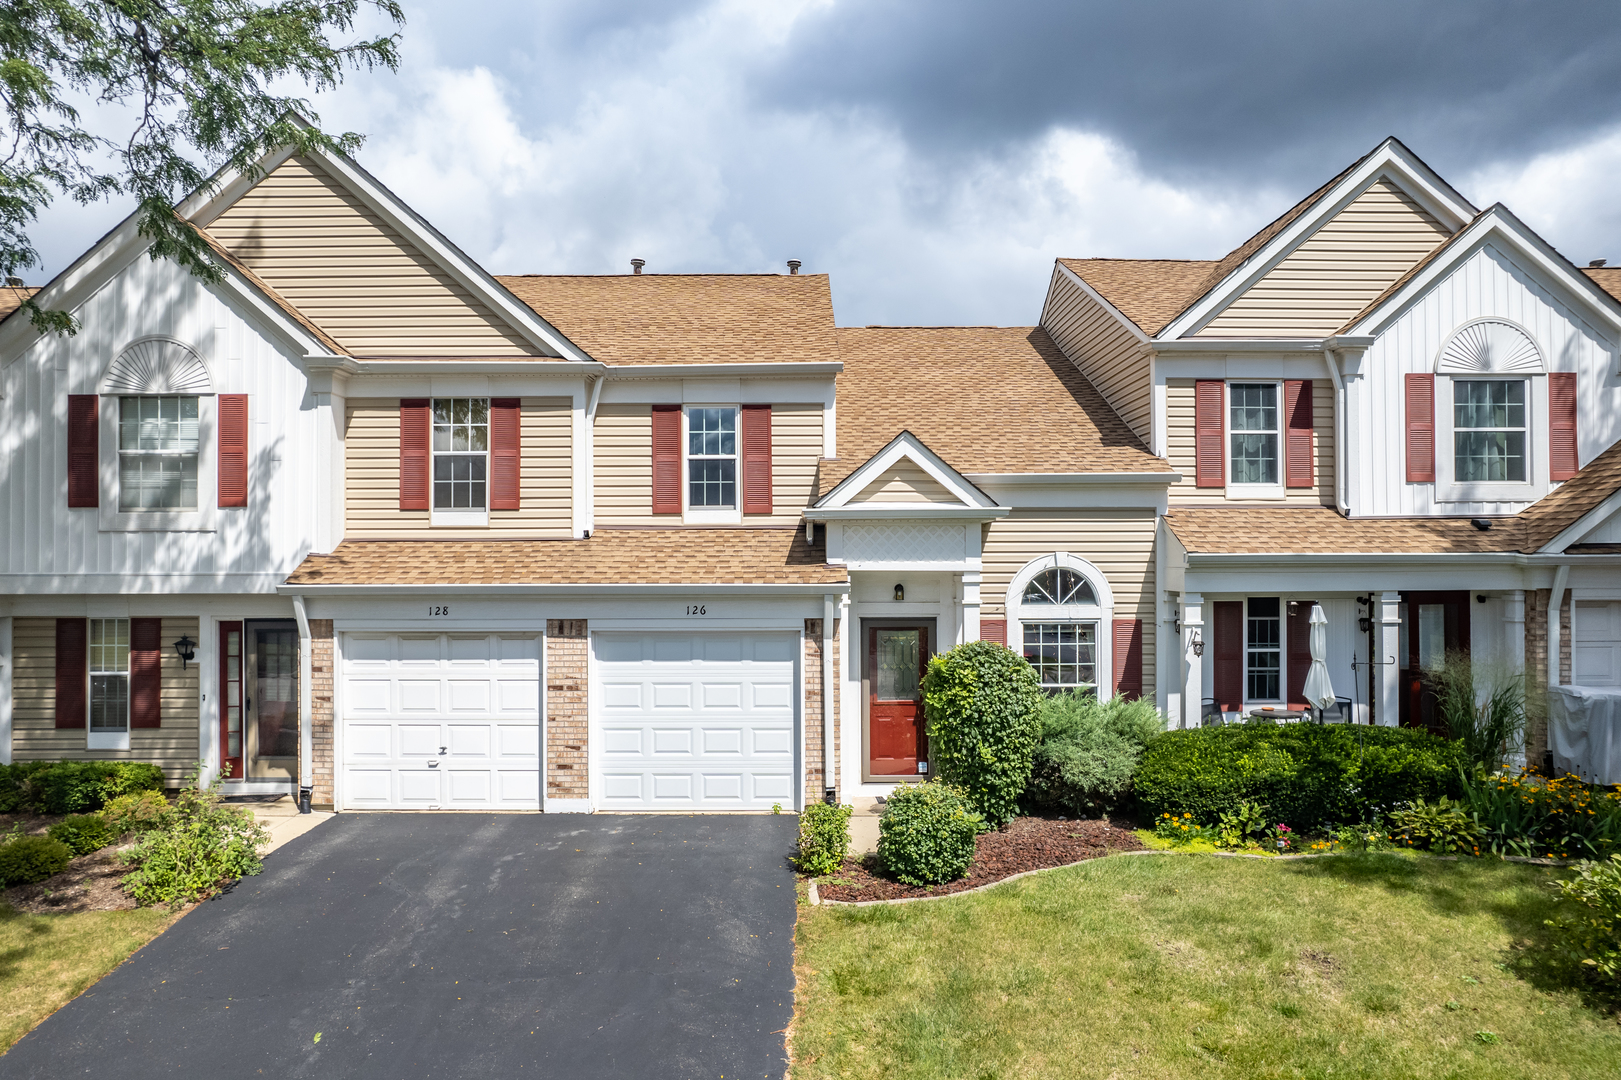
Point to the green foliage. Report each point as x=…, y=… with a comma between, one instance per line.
x=72, y=787
x=1526, y=815
x=1488, y=729
x=195, y=76
x=1181, y=829
x=1242, y=826
x=1089, y=751
x=137, y=813
x=824, y=838
x=28, y=859
x=201, y=849
x=83, y=833
x=1313, y=776
x=1591, y=935
x=927, y=833
x=983, y=704
x=1443, y=826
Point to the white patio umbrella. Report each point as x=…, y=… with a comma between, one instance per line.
x=1319, y=688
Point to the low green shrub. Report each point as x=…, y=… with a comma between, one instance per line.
x=1591, y=935
x=1242, y=827
x=27, y=859
x=1089, y=751
x=13, y=795
x=927, y=833
x=1314, y=777
x=136, y=813
x=72, y=787
x=1526, y=815
x=201, y=849
x=824, y=838
x=1443, y=826
x=83, y=833
x=982, y=701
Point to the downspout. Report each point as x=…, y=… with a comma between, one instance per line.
x=589, y=463
x=1556, y=600
x=829, y=673
x=1333, y=363
x=306, y=699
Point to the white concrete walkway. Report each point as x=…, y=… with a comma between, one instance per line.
x=283, y=821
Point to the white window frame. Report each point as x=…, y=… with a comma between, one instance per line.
x=1258, y=492
x=104, y=740
x=113, y=519
x=709, y=515
x=1283, y=652
x=451, y=517
x=1448, y=488
x=1101, y=612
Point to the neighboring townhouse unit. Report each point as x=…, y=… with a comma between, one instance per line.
x=1387, y=402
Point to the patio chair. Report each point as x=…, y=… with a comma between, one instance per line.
x=1339, y=714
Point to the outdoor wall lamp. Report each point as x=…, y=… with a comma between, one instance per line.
x=185, y=648
x=1364, y=624
x=900, y=592
x=1198, y=644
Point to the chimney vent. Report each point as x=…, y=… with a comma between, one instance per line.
x=636, y=265
x=793, y=266
x=14, y=282
x=1597, y=262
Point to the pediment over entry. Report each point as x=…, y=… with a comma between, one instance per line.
x=905, y=476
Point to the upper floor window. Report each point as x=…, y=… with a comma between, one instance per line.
x=158, y=445
x=712, y=459
x=1488, y=430
x=461, y=453
x=1253, y=428
x=109, y=680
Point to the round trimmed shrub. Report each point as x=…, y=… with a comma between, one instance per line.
x=982, y=702
x=32, y=858
x=926, y=835
x=83, y=833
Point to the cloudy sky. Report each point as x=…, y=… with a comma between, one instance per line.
x=935, y=157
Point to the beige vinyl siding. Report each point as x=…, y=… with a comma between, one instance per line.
x=1104, y=350
x=1180, y=448
x=623, y=452
x=1120, y=543
x=350, y=272
x=35, y=736
x=372, y=476
x=905, y=482
x=1333, y=275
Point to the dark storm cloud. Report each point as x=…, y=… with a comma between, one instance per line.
x=1291, y=89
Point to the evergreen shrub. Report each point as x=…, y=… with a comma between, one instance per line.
x=1089, y=751
x=824, y=838
x=27, y=859
x=83, y=833
x=983, y=702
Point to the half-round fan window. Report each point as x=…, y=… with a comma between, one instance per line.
x=1059, y=585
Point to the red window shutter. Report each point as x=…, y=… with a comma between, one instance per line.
x=993, y=630
x=233, y=463
x=506, y=454
x=84, y=484
x=1300, y=445
x=1128, y=658
x=145, y=673
x=1562, y=457
x=1297, y=650
x=666, y=459
x=1209, y=430
x=756, y=424
x=1421, y=429
x=1227, y=627
x=72, y=673
x=416, y=429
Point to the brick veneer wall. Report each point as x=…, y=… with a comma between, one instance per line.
x=322, y=714
x=1536, y=667
x=566, y=718
x=815, y=758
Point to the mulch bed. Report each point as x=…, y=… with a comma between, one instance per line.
x=1027, y=843
x=90, y=883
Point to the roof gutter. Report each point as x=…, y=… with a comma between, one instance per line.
x=783, y=588
x=920, y=511
x=1046, y=479
x=1278, y=560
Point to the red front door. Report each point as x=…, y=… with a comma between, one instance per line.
x=896, y=658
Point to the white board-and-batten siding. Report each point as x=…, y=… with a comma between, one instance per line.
x=1103, y=349
x=40, y=535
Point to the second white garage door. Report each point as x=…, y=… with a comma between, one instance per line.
x=696, y=722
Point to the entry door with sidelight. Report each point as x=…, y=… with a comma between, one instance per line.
x=1433, y=625
x=896, y=659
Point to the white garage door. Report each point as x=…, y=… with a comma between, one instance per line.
x=696, y=722
x=1596, y=643
x=441, y=722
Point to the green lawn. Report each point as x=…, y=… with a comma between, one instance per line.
x=47, y=960
x=1373, y=966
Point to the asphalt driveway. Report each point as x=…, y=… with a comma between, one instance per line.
x=447, y=945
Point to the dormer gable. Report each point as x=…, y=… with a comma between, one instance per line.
x=904, y=477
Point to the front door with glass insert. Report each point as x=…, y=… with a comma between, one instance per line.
x=1433, y=624
x=272, y=701
x=896, y=659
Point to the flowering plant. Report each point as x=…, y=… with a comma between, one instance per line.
x=1181, y=829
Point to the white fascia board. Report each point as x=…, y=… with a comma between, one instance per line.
x=431, y=367
x=1417, y=561
x=1172, y=350
x=903, y=566
x=122, y=584
x=1163, y=479
x=1135, y=330
x=906, y=445
x=1497, y=224
x=905, y=511
x=787, y=370
x=1583, y=525
x=613, y=589
x=1390, y=160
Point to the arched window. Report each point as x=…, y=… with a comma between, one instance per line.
x=1059, y=585
x=1058, y=608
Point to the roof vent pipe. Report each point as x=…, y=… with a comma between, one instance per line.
x=794, y=265
x=17, y=282
x=636, y=265
x=1595, y=263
